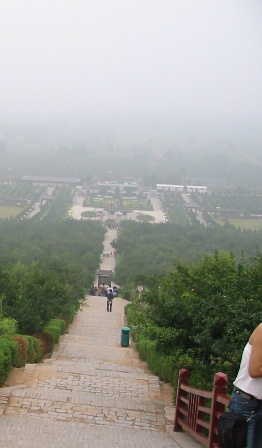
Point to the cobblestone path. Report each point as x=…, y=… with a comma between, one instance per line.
x=92, y=392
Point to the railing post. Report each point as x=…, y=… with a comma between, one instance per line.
x=182, y=379
x=219, y=388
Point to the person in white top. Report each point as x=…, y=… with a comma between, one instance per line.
x=247, y=394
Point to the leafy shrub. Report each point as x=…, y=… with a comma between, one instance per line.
x=38, y=349
x=16, y=352
x=70, y=315
x=126, y=294
x=55, y=328
x=21, y=352
x=8, y=326
x=46, y=342
x=166, y=367
x=62, y=324
x=198, y=317
x=30, y=350
x=8, y=348
x=3, y=373
x=126, y=308
x=34, y=350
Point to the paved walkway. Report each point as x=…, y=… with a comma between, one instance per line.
x=158, y=214
x=92, y=392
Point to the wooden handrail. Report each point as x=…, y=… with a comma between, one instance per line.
x=198, y=410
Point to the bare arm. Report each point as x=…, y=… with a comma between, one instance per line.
x=255, y=363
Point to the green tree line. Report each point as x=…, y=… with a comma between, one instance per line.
x=199, y=316
x=145, y=249
x=45, y=269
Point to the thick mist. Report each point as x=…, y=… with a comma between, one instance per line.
x=150, y=71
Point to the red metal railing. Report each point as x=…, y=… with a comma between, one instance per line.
x=197, y=410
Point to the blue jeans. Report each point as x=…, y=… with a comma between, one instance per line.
x=245, y=406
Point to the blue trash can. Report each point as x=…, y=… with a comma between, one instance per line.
x=125, y=333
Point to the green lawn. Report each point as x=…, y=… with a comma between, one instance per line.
x=132, y=204
x=251, y=224
x=142, y=217
x=89, y=214
x=9, y=212
x=110, y=204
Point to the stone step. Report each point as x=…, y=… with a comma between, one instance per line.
x=84, y=351
x=99, y=368
x=5, y=394
x=87, y=337
x=83, y=365
x=87, y=408
x=31, y=432
x=118, y=387
x=112, y=377
x=89, y=398
x=95, y=378
x=94, y=369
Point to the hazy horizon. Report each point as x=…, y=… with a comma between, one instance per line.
x=166, y=68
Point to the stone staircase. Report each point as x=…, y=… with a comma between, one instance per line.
x=92, y=392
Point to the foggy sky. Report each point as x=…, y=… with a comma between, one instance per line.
x=176, y=59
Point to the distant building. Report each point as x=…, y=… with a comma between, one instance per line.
x=212, y=184
x=196, y=189
x=167, y=187
x=227, y=213
x=46, y=198
x=51, y=181
x=182, y=188
x=192, y=206
x=104, y=276
x=13, y=202
x=124, y=188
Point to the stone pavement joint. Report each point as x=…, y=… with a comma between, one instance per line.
x=92, y=392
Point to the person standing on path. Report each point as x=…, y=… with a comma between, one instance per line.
x=110, y=297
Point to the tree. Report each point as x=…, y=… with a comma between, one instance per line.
x=41, y=295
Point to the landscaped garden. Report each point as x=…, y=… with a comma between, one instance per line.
x=144, y=218
x=26, y=195
x=89, y=214
x=123, y=204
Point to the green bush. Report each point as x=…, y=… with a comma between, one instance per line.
x=70, y=315
x=45, y=341
x=8, y=326
x=126, y=294
x=17, y=351
x=34, y=351
x=63, y=325
x=3, y=373
x=28, y=350
x=55, y=328
x=38, y=349
x=21, y=351
x=152, y=343
x=126, y=308
x=161, y=365
x=8, y=348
